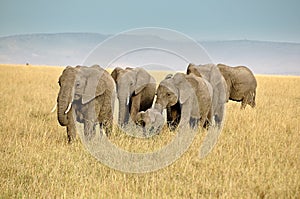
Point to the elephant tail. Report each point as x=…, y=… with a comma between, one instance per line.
x=253, y=99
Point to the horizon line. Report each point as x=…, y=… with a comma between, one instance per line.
x=110, y=34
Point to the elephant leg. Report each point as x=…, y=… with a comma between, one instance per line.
x=111, y=107
x=135, y=106
x=251, y=99
x=248, y=99
x=102, y=127
x=245, y=102
x=90, y=119
x=109, y=121
x=108, y=127
x=220, y=114
x=105, y=115
x=243, y=105
x=194, y=122
x=203, y=119
x=208, y=120
x=89, y=129
x=171, y=118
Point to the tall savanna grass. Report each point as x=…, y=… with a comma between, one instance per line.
x=257, y=154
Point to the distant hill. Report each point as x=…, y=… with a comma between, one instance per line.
x=262, y=57
x=71, y=49
x=48, y=49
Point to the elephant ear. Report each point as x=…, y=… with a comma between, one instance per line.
x=116, y=72
x=92, y=88
x=169, y=76
x=183, y=86
x=196, y=72
x=193, y=69
x=129, y=68
x=143, y=78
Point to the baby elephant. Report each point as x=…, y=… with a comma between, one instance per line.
x=151, y=120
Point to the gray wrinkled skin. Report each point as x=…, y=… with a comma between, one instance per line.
x=241, y=84
x=86, y=95
x=212, y=74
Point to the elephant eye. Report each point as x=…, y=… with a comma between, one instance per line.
x=77, y=84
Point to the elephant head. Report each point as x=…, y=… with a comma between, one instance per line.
x=148, y=117
x=176, y=95
x=141, y=119
x=78, y=85
x=131, y=83
x=173, y=90
x=151, y=120
x=166, y=94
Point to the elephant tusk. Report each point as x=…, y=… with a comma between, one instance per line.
x=127, y=100
x=68, y=109
x=54, y=108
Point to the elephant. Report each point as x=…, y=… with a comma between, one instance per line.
x=241, y=84
x=151, y=120
x=187, y=98
x=135, y=90
x=212, y=74
x=86, y=94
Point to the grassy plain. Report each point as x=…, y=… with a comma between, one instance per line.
x=257, y=154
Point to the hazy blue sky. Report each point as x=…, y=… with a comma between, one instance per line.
x=273, y=20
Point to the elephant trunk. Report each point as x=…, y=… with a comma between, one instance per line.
x=123, y=110
x=64, y=101
x=160, y=104
x=159, y=107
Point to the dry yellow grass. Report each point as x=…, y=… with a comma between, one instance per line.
x=257, y=154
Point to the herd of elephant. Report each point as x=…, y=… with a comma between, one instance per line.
x=195, y=100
